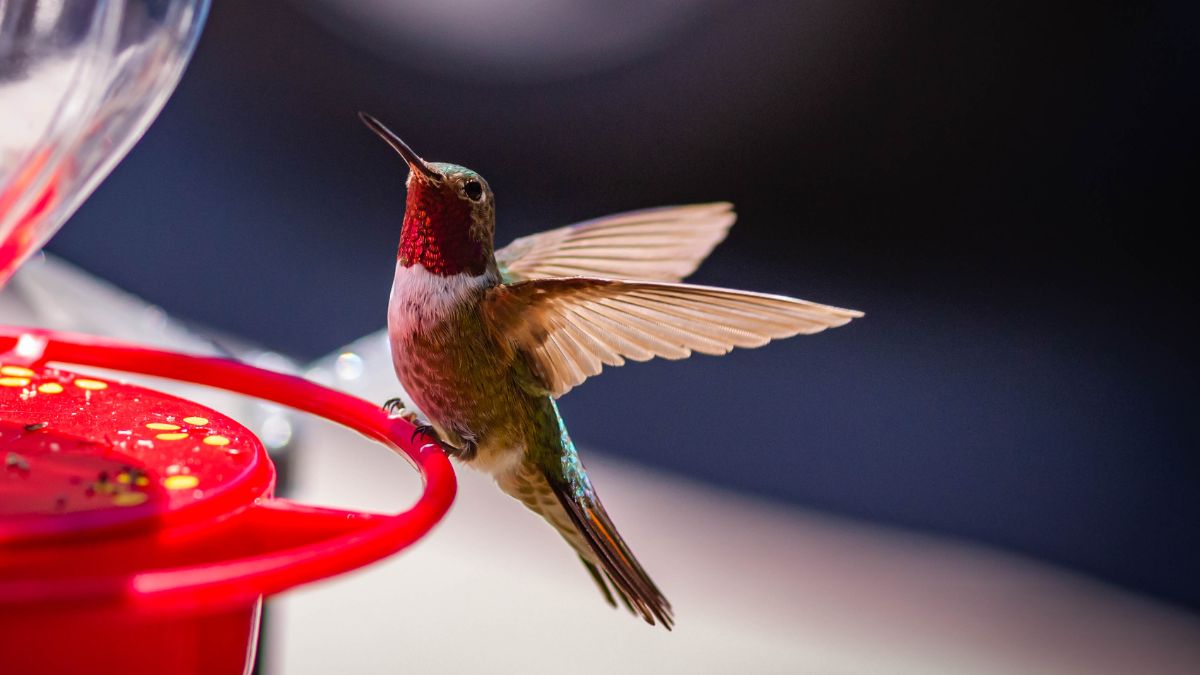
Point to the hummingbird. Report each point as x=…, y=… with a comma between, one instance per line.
x=484, y=340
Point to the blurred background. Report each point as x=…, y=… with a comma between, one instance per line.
x=1004, y=190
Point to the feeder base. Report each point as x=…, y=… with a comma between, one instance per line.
x=103, y=642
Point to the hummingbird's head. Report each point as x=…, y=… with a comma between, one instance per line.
x=449, y=215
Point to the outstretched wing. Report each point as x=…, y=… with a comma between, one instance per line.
x=569, y=329
x=662, y=244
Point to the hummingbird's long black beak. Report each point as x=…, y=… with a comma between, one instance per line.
x=414, y=160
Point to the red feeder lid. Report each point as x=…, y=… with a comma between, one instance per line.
x=118, y=496
x=82, y=454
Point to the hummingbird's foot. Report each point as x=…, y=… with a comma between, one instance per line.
x=464, y=454
x=428, y=431
x=394, y=407
x=424, y=430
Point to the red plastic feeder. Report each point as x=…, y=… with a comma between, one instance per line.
x=138, y=532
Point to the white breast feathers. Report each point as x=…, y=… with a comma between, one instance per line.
x=421, y=299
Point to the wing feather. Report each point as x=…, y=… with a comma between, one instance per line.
x=623, y=339
x=603, y=347
x=660, y=244
x=570, y=328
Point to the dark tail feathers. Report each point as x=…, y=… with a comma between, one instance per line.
x=617, y=566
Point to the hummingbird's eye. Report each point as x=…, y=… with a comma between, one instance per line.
x=473, y=190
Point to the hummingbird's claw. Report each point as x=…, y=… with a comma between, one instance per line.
x=465, y=454
x=394, y=407
x=427, y=431
x=424, y=430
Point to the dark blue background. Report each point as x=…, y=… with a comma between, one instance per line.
x=1003, y=190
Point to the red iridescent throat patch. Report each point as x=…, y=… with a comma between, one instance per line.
x=437, y=232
